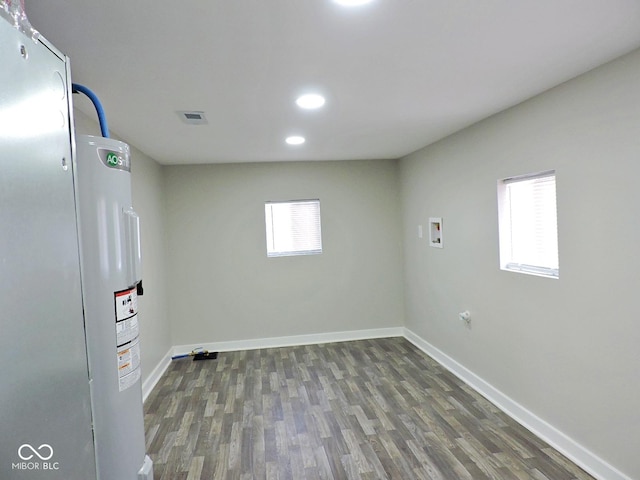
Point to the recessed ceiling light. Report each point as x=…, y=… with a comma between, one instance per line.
x=351, y=3
x=295, y=140
x=310, y=101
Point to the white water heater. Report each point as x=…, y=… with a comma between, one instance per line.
x=111, y=281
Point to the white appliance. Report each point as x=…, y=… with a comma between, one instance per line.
x=70, y=402
x=111, y=281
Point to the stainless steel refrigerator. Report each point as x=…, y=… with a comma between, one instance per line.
x=70, y=396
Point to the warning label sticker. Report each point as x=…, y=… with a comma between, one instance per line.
x=126, y=304
x=127, y=330
x=127, y=337
x=129, y=365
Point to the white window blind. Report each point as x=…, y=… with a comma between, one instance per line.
x=293, y=228
x=528, y=224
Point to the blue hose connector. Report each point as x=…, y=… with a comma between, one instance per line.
x=104, y=128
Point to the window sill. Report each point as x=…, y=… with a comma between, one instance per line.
x=532, y=270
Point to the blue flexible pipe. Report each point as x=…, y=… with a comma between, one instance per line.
x=104, y=128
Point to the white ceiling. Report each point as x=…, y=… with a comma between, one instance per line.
x=397, y=74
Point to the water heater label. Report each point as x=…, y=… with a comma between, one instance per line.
x=127, y=330
x=126, y=304
x=129, y=364
x=127, y=337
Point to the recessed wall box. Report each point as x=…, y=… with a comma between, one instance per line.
x=435, y=232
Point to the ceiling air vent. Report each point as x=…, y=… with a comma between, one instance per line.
x=193, y=118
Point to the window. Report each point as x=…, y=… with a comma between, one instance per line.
x=293, y=228
x=528, y=224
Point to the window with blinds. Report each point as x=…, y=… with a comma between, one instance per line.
x=293, y=228
x=528, y=224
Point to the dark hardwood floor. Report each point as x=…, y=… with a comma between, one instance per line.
x=370, y=409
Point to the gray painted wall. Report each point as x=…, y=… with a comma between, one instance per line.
x=567, y=349
x=148, y=201
x=224, y=288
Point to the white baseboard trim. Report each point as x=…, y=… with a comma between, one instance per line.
x=154, y=377
x=294, y=340
x=587, y=460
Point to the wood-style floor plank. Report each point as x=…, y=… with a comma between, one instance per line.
x=370, y=409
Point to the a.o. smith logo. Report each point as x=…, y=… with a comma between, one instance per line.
x=35, y=458
x=115, y=160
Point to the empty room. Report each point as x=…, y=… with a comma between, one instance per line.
x=320, y=239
